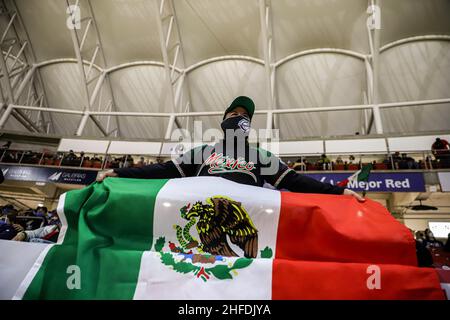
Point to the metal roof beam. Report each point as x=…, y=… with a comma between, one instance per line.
x=164, y=38
x=8, y=27
x=320, y=50
x=105, y=75
x=18, y=114
x=84, y=76
x=373, y=26
x=264, y=15
x=218, y=113
x=169, y=68
x=25, y=44
x=431, y=37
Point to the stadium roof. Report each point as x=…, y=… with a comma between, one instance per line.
x=147, y=62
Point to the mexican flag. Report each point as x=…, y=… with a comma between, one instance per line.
x=360, y=175
x=210, y=238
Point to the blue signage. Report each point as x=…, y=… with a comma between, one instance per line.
x=378, y=181
x=47, y=174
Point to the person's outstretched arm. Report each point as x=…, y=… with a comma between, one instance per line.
x=164, y=170
x=283, y=177
x=183, y=166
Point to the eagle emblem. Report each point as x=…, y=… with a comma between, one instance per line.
x=221, y=217
x=219, y=222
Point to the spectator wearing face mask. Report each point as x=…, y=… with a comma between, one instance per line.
x=234, y=159
x=42, y=213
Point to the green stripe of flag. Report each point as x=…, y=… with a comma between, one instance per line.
x=97, y=218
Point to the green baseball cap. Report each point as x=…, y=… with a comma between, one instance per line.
x=244, y=102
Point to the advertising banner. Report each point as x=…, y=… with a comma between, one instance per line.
x=378, y=181
x=46, y=174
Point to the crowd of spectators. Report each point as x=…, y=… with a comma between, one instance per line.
x=430, y=251
x=440, y=151
x=32, y=225
x=389, y=162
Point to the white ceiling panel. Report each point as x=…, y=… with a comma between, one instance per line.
x=214, y=29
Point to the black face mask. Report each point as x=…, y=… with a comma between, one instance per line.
x=238, y=125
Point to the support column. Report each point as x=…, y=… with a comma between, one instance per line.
x=5, y=115
x=374, y=25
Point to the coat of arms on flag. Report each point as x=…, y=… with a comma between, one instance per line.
x=206, y=255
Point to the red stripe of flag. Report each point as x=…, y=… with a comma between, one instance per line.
x=341, y=229
x=334, y=280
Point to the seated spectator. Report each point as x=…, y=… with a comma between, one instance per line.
x=339, y=160
x=130, y=161
x=71, y=156
x=420, y=235
x=324, y=162
x=7, y=208
x=41, y=211
x=421, y=164
x=441, y=151
x=406, y=162
x=122, y=162
x=300, y=164
x=47, y=234
x=10, y=157
x=9, y=227
x=141, y=162
x=53, y=218
x=396, y=158
x=424, y=257
x=27, y=157
x=115, y=163
x=71, y=159
x=6, y=146
x=447, y=244
x=387, y=162
x=431, y=240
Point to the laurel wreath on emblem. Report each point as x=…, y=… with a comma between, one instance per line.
x=218, y=218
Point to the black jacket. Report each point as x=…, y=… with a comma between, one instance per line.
x=252, y=166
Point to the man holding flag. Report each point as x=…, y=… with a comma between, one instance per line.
x=206, y=238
